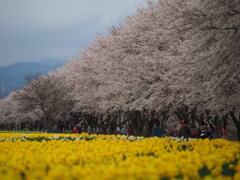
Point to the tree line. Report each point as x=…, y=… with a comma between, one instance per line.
x=176, y=59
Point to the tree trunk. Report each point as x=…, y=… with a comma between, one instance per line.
x=217, y=123
x=236, y=122
x=183, y=113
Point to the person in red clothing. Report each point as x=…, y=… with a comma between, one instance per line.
x=182, y=123
x=75, y=129
x=128, y=131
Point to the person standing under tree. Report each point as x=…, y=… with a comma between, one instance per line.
x=128, y=131
x=211, y=130
x=157, y=130
x=224, y=131
x=123, y=131
x=75, y=129
x=89, y=130
x=185, y=130
x=174, y=131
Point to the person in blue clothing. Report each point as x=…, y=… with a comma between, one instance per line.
x=157, y=130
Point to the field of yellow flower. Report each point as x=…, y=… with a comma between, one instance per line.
x=69, y=156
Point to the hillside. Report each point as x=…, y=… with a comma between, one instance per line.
x=12, y=76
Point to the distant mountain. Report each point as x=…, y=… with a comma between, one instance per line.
x=12, y=77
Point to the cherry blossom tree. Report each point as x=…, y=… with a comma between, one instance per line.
x=168, y=55
x=47, y=98
x=176, y=58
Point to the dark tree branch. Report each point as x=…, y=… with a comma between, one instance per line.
x=233, y=12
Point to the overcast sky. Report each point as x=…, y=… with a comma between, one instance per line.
x=31, y=30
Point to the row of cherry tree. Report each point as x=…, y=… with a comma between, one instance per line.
x=173, y=58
